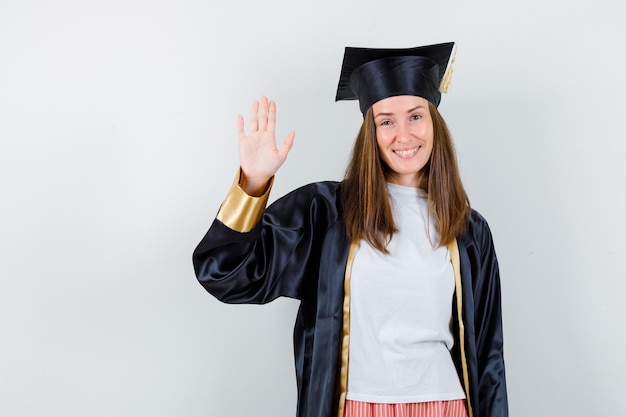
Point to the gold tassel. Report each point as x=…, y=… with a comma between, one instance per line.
x=447, y=76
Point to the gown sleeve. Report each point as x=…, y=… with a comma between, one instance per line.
x=253, y=255
x=492, y=394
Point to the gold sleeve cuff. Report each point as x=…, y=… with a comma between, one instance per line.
x=240, y=211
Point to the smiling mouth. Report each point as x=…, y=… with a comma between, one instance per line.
x=406, y=153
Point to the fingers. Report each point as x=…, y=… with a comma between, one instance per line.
x=262, y=115
x=262, y=118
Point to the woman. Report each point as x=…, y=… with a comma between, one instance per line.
x=404, y=288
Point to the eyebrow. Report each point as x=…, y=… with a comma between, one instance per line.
x=408, y=111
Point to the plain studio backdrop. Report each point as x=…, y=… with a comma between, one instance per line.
x=118, y=142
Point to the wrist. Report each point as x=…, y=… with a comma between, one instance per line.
x=253, y=186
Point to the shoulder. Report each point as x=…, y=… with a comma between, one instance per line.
x=312, y=199
x=478, y=222
x=328, y=190
x=320, y=187
x=478, y=232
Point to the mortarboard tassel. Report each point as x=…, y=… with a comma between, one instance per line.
x=447, y=76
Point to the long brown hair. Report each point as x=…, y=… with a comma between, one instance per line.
x=366, y=207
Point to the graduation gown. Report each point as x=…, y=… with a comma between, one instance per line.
x=298, y=248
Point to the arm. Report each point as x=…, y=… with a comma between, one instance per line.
x=492, y=392
x=278, y=256
x=239, y=259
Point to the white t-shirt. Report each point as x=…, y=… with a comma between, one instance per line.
x=400, y=312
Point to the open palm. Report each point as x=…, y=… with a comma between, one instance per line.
x=259, y=156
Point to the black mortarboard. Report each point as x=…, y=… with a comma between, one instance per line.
x=370, y=75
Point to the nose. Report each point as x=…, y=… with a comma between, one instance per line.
x=403, y=133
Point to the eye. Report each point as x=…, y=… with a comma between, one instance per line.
x=416, y=117
x=385, y=123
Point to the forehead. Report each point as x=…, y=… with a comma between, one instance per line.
x=399, y=104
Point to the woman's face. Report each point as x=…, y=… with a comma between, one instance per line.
x=404, y=132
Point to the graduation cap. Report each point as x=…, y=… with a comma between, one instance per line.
x=372, y=74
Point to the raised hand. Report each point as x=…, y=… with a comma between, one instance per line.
x=259, y=156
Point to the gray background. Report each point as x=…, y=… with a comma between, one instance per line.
x=118, y=143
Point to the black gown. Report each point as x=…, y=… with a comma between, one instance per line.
x=298, y=248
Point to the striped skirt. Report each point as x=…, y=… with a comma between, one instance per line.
x=453, y=408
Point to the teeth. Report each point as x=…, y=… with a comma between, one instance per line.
x=406, y=153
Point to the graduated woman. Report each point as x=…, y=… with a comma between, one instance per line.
x=396, y=275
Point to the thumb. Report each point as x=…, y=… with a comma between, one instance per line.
x=287, y=144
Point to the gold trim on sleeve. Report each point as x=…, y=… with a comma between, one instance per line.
x=345, y=335
x=240, y=211
x=453, y=248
